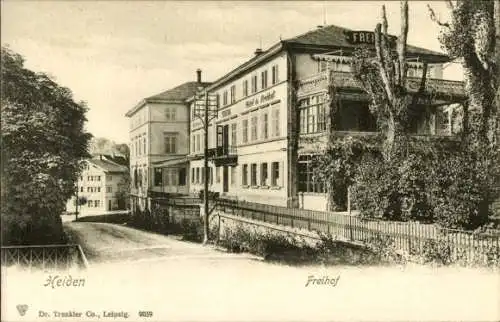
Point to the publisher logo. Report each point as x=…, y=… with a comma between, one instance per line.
x=22, y=309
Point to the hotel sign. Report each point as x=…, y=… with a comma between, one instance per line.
x=364, y=37
x=263, y=98
x=313, y=84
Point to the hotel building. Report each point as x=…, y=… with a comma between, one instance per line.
x=159, y=143
x=274, y=113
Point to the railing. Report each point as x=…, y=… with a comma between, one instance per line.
x=44, y=256
x=346, y=80
x=225, y=150
x=406, y=236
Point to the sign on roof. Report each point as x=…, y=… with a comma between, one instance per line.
x=364, y=37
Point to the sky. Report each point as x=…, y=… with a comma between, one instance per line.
x=112, y=54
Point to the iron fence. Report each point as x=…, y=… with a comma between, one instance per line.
x=411, y=237
x=44, y=256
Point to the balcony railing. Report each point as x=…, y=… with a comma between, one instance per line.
x=320, y=81
x=225, y=150
x=225, y=155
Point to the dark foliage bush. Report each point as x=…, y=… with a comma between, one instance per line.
x=462, y=191
x=375, y=189
x=452, y=188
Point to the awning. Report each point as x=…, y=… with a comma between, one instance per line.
x=170, y=163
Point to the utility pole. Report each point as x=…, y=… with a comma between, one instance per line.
x=77, y=201
x=205, y=169
x=205, y=109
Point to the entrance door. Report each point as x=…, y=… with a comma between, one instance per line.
x=225, y=179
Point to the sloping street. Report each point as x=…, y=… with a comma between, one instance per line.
x=105, y=243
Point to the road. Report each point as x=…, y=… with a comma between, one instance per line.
x=105, y=243
x=132, y=270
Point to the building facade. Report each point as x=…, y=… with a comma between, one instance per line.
x=275, y=113
x=101, y=187
x=159, y=143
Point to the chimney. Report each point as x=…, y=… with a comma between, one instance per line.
x=198, y=75
x=258, y=51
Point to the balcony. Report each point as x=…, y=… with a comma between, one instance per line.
x=225, y=155
x=447, y=90
x=195, y=156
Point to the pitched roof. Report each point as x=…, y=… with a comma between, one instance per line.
x=108, y=166
x=328, y=37
x=118, y=159
x=333, y=36
x=178, y=94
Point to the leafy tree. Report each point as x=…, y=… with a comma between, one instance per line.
x=472, y=36
x=43, y=141
x=384, y=78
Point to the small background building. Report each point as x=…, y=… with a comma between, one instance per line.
x=102, y=186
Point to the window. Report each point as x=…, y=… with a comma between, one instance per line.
x=202, y=170
x=170, y=113
x=144, y=145
x=88, y=178
x=244, y=132
x=182, y=177
x=263, y=175
x=244, y=175
x=307, y=181
x=157, y=177
x=254, y=84
x=109, y=189
x=253, y=174
x=90, y=203
x=245, y=88
x=217, y=174
x=197, y=175
x=275, y=174
x=98, y=178
x=265, y=125
x=170, y=141
x=233, y=176
x=197, y=142
x=110, y=178
x=192, y=143
x=233, y=135
x=224, y=98
x=192, y=175
x=98, y=189
x=97, y=203
x=264, y=79
x=81, y=189
x=233, y=94
x=276, y=121
x=88, y=189
x=274, y=75
x=253, y=130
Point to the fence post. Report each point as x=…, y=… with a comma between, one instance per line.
x=350, y=226
x=410, y=236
